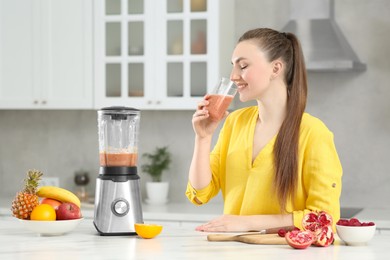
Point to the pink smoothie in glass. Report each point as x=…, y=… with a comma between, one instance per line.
x=218, y=104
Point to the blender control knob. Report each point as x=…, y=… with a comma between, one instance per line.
x=120, y=207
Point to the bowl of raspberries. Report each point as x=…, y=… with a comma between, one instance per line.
x=354, y=232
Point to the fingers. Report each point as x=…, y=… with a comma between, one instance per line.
x=201, y=114
x=212, y=227
x=202, y=104
x=201, y=111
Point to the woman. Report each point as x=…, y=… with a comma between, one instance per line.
x=273, y=162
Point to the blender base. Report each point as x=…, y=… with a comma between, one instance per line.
x=114, y=234
x=117, y=206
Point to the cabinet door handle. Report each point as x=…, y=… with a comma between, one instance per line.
x=43, y=102
x=158, y=102
x=35, y=102
x=149, y=102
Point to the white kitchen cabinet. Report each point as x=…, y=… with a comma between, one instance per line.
x=46, y=54
x=162, y=54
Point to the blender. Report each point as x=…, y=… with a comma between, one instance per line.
x=117, y=197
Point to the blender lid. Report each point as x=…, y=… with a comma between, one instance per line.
x=119, y=108
x=119, y=112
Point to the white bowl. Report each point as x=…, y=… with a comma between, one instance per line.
x=355, y=235
x=51, y=228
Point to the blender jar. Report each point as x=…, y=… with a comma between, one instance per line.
x=118, y=136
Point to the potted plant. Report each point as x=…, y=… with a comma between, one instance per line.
x=156, y=163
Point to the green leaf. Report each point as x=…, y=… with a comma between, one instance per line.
x=157, y=162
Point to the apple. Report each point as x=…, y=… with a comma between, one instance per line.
x=68, y=210
x=52, y=202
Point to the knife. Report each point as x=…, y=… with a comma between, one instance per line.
x=275, y=230
x=224, y=237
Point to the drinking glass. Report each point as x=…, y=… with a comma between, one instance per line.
x=220, y=98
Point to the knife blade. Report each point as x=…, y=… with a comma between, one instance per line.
x=225, y=237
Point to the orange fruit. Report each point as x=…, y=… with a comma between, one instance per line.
x=43, y=212
x=147, y=230
x=52, y=202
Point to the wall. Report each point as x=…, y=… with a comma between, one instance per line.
x=354, y=105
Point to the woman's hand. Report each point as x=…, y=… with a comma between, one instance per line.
x=226, y=223
x=201, y=122
x=237, y=223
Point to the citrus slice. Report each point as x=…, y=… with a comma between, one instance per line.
x=147, y=230
x=43, y=212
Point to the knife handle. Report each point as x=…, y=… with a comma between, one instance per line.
x=276, y=229
x=220, y=237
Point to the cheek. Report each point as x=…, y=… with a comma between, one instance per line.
x=255, y=77
x=249, y=76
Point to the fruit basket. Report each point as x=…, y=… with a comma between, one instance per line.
x=46, y=210
x=51, y=228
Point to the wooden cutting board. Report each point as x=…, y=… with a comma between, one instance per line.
x=260, y=239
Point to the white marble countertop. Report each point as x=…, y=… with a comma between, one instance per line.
x=173, y=243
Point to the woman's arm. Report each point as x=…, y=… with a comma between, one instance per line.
x=235, y=223
x=200, y=173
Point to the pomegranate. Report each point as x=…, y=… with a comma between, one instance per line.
x=313, y=221
x=324, y=219
x=310, y=221
x=320, y=223
x=299, y=239
x=324, y=236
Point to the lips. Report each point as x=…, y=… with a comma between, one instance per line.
x=241, y=86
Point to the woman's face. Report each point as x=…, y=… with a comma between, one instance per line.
x=251, y=71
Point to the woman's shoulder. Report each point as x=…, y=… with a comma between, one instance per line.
x=311, y=124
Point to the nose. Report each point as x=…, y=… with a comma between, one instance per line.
x=235, y=75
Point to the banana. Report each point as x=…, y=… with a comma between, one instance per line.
x=58, y=193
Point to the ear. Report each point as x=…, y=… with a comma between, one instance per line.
x=277, y=67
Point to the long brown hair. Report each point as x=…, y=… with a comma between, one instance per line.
x=285, y=46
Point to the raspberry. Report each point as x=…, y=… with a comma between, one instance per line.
x=343, y=222
x=354, y=222
x=282, y=232
x=366, y=224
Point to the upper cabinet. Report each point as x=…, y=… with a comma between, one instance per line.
x=46, y=54
x=162, y=54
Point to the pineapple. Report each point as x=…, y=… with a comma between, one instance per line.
x=26, y=200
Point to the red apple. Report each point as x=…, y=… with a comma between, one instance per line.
x=68, y=210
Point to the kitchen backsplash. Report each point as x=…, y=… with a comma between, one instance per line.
x=61, y=143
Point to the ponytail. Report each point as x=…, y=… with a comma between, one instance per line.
x=287, y=141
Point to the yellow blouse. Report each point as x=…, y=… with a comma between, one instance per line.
x=247, y=188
